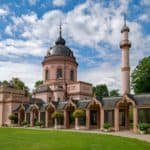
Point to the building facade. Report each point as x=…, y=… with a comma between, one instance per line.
x=61, y=92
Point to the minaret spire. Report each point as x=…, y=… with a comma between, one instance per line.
x=60, y=29
x=60, y=40
x=124, y=19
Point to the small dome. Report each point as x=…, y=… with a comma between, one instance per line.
x=125, y=28
x=60, y=50
x=60, y=41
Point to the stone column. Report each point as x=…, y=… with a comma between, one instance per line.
x=56, y=123
x=19, y=118
x=98, y=118
x=116, y=119
x=135, y=119
x=87, y=118
x=31, y=119
x=101, y=118
x=127, y=118
x=25, y=116
x=39, y=116
x=77, y=123
x=66, y=123
x=46, y=119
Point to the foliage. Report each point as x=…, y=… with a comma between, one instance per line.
x=144, y=126
x=5, y=83
x=38, y=83
x=114, y=92
x=57, y=114
x=78, y=113
x=13, y=118
x=16, y=83
x=24, y=123
x=141, y=76
x=39, y=123
x=101, y=90
x=106, y=125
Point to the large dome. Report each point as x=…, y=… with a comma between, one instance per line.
x=60, y=49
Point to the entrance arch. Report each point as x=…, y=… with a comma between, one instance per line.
x=34, y=116
x=49, y=120
x=69, y=120
x=21, y=116
x=94, y=114
x=125, y=114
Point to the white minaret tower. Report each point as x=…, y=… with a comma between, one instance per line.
x=125, y=65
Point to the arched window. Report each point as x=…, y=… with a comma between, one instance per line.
x=59, y=73
x=72, y=75
x=46, y=74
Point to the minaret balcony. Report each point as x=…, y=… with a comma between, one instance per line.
x=125, y=43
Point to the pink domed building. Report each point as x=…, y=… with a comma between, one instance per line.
x=61, y=94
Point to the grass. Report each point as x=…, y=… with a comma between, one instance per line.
x=27, y=139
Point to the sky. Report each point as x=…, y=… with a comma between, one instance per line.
x=91, y=28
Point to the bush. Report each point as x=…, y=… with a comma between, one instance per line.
x=78, y=113
x=24, y=123
x=144, y=126
x=106, y=125
x=57, y=114
x=39, y=123
x=13, y=118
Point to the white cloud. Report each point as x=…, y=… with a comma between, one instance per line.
x=144, y=17
x=27, y=72
x=104, y=73
x=32, y=2
x=59, y=2
x=89, y=24
x=145, y=2
x=4, y=11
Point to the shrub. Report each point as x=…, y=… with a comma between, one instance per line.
x=24, y=123
x=13, y=118
x=39, y=123
x=144, y=126
x=57, y=114
x=78, y=113
x=106, y=125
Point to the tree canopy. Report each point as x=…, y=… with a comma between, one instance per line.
x=114, y=92
x=38, y=83
x=101, y=90
x=141, y=77
x=16, y=83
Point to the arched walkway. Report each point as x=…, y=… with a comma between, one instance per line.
x=69, y=121
x=48, y=119
x=93, y=113
x=21, y=116
x=126, y=114
x=34, y=116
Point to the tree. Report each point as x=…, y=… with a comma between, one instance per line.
x=101, y=90
x=20, y=85
x=114, y=92
x=141, y=76
x=16, y=83
x=5, y=83
x=38, y=83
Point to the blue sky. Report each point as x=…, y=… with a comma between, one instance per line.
x=91, y=29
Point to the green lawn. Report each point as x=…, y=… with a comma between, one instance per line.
x=27, y=139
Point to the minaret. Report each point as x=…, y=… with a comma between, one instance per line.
x=125, y=66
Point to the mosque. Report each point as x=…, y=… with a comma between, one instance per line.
x=61, y=92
